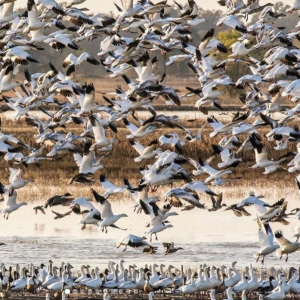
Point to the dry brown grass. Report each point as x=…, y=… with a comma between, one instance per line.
x=52, y=176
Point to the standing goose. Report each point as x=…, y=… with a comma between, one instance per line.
x=20, y=284
x=279, y=295
x=189, y=288
x=165, y=282
x=113, y=284
x=96, y=282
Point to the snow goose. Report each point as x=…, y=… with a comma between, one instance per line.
x=219, y=127
x=229, y=282
x=198, y=187
x=232, y=22
x=154, y=277
x=114, y=283
x=242, y=285
x=189, y=288
x=266, y=238
x=253, y=283
x=213, y=173
x=227, y=157
x=230, y=143
x=286, y=246
x=10, y=198
x=60, y=285
x=106, y=212
x=268, y=285
x=134, y=242
x=33, y=18
x=145, y=152
x=137, y=132
x=59, y=41
x=87, y=163
x=20, y=56
x=253, y=7
x=51, y=279
x=71, y=59
x=101, y=140
x=15, y=179
x=256, y=201
x=21, y=283
x=178, y=194
x=297, y=232
x=164, y=283
x=83, y=275
x=77, y=17
x=6, y=83
x=156, y=222
x=295, y=6
x=261, y=158
x=7, y=12
x=269, y=15
x=294, y=284
x=129, y=284
x=110, y=188
x=235, y=7
x=282, y=279
x=51, y=4
x=208, y=44
x=279, y=295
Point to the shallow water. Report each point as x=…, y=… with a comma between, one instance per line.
x=211, y=237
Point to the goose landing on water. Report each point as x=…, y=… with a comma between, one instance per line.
x=266, y=238
x=106, y=213
x=286, y=246
x=136, y=242
x=10, y=199
x=170, y=248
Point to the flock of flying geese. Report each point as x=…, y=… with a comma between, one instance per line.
x=158, y=36
x=116, y=279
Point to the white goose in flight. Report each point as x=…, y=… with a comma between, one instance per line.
x=106, y=212
x=10, y=199
x=156, y=222
x=145, y=152
x=266, y=240
x=110, y=188
x=15, y=179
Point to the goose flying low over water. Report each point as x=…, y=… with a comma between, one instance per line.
x=106, y=212
x=136, y=242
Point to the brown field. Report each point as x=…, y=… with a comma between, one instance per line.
x=51, y=177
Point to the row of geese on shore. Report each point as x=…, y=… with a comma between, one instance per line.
x=272, y=284
x=155, y=37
